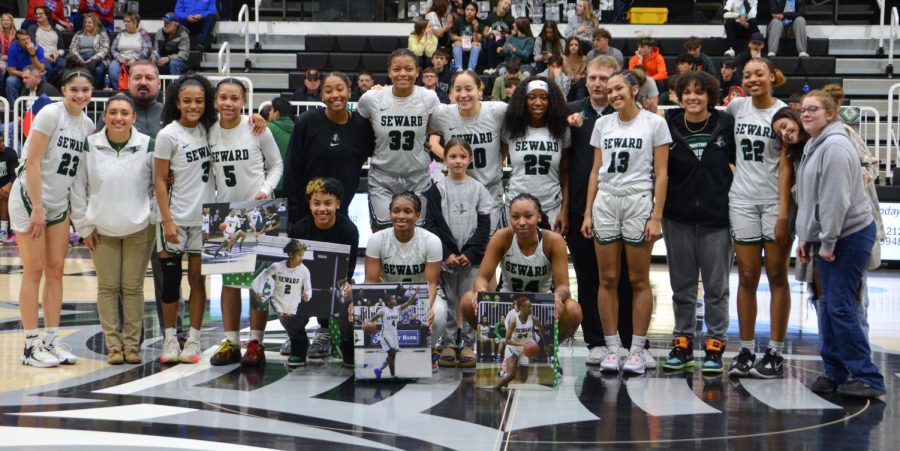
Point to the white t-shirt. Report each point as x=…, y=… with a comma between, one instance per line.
x=401, y=128
x=290, y=285
x=244, y=164
x=756, y=176
x=535, y=159
x=461, y=203
x=484, y=133
x=61, y=160
x=628, y=147
x=187, y=150
x=404, y=262
x=129, y=45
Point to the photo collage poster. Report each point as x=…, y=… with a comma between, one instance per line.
x=231, y=232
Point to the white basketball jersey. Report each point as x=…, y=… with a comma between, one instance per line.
x=231, y=224
x=756, y=176
x=289, y=285
x=404, y=262
x=401, y=128
x=187, y=150
x=240, y=161
x=628, y=148
x=526, y=274
x=535, y=160
x=390, y=318
x=484, y=132
x=523, y=331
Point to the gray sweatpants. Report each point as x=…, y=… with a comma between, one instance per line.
x=453, y=285
x=690, y=252
x=776, y=30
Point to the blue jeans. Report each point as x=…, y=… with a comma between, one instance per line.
x=97, y=68
x=173, y=67
x=458, y=56
x=205, y=28
x=845, y=349
x=55, y=70
x=115, y=68
x=13, y=88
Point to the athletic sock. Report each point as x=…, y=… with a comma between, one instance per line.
x=233, y=336
x=384, y=365
x=50, y=334
x=170, y=333
x=256, y=335
x=612, y=342
x=638, y=342
x=776, y=346
x=194, y=334
x=30, y=335
x=749, y=345
x=4, y=225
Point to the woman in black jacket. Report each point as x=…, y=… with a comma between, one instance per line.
x=695, y=217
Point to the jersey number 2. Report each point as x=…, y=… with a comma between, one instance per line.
x=519, y=286
x=537, y=164
x=67, y=160
x=752, y=150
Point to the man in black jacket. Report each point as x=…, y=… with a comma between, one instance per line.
x=787, y=15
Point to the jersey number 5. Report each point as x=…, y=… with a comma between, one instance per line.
x=64, y=168
x=537, y=164
x=230, y=178
x=408, y=139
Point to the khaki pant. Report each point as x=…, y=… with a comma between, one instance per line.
x=121, y=264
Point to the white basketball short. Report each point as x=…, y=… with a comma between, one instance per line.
x=753, y=224
x=621, y=216
x=190, y=241
x=20, y=211
x=517, y=352
x=383, y=186
x=389, y=343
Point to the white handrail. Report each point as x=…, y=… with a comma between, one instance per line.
x=224, y=67
x=893, y=133
x=880, y=26
x=244, y=20
x=256, y=4
x=895, y=21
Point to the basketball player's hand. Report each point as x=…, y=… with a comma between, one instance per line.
x=258, y=123
x=587, y=227
x=653, y=230
x=828, y=256
x=451, y=261
x=350, y=316
x=92, y=240
x=559, y=306
x=304, y=297
x=463, y=261
x=562, y=222
x=347, y=290
x=170, y=230
x=575, y=119
x=782, y=232
x=38, y=223
x=260, y=196
x=803, y=251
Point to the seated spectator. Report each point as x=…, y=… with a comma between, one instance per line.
x=57, y=14
x=441, y=20
x=728, y=76
x=602, y=40
x=684, y=63
x=422, y=41
x=281, y=123
x=734, y=92
x=34, y=85
x=131, y=45
x=574, y=62
x=702, y=62
x=740, y=22
x=22, y=53
x=554, y=73
x=497, y=28
x=795, y=101
x=512, y=73
x=364, y=82
x=103, y=9
x=309, y=92
x=439, y=62
x=581, y=23
x=648, y=57
x=9, y=161
x=91, y=46
x=510, y=86
x=670, y=97
x=430, y=82
x=548, y=42
x=519, y=44
x=7, y=37
x=754, y=50
x=172, y=46
x=51, y=40
x=466, y=37
x=648, y=95
x=787, y=15
x=199, y=17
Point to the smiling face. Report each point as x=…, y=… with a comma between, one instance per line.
x=466, y=91
x=457, y=160
x=597, y=78
x=403, y=72
x=524, y=218
x=814, y=115
x=229, y=101
x=191, y=103
x=364, y=82
x=324, y=209
x=758, y=79
x=403, y=214
x=77, y=92
x=537, y=102
x=619, y=93
x=335, y=94
x=694, y=98
x=429, y=81
x=143, y=82
x=119, y=116
x=40, y=16
x=6, y=22
x=788, y=130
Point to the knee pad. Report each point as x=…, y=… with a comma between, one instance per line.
x=171, y=277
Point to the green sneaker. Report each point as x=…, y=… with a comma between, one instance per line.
x=682, y=355
x=295, y=361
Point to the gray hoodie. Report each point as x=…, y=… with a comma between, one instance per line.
x=831, y=198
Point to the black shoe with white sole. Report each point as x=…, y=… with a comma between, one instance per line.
x=742, y=363
x=770, y=367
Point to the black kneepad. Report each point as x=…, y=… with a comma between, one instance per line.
x=171, y=276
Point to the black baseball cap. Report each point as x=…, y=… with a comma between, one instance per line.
x=757, y=37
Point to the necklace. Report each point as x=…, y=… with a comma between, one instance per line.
x=705, y=123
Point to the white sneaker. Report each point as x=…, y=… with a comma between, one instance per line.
x=635, y=363
x=610, y=363
x=771, y=55
x=191, y=352
x=804, y=55
x=171, y=351
x=649, y=360
x=596, y=355
x=36, y=355
x=60, y=350
x=730, y=52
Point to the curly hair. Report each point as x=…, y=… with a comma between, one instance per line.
x=517, y=116
x=294, y=246
x=170, y=107
x=702, y=80
x=324, y=185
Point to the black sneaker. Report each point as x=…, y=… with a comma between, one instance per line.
x=859, y=389
x=770, y=367
x=681, y=355
x=823, y=384
x=298, y=354
x=742, y=363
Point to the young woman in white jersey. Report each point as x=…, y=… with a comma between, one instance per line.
x=38, y=202
x=246, y=167
x=390, y=341
x=520, y=328
x=232, y=222
x=538, y=136
x=407, y=253
x=481, y=125
x=461, y=217
x=755, y=221
x=205, y=225
x=630, y=173
x=399, y=115
x=114, y=211
x=182, y=148
x=531, y=260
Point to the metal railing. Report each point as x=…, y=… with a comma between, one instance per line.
x=880, y=4
x=895, y=21
x=892, y=147
x=224, y=64
x=301, y=107
x=166, y=80
x=94, y=110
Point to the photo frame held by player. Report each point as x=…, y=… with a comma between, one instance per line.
x=517, y=341
x=391, y=333
x=231, y=233
x=279, y=276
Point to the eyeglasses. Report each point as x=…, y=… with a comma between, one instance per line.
x=810, y=110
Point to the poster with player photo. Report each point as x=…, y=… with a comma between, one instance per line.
x=517, y=341
x=301, y=277
x=519, y=8
x=484, y=9
x=231, y=232
x=551, y=11
x=568, y=11
x=390, y=331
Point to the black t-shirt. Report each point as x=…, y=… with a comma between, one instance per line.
x=460, y=27
x=502, y=24
x=343, y=231
x=581, y=156
x=321, y=148
x=9, y=161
